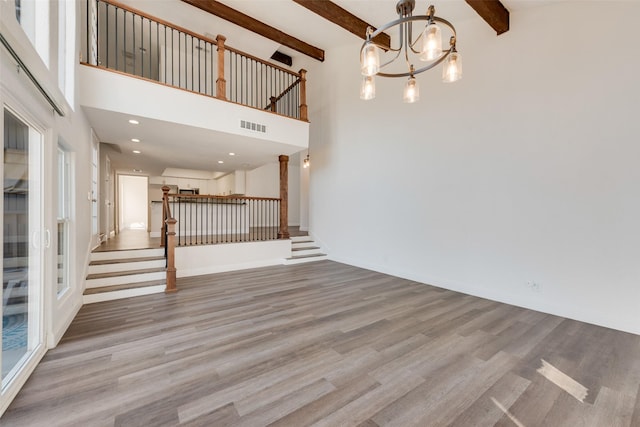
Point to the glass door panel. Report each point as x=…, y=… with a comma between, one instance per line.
x=22, y=248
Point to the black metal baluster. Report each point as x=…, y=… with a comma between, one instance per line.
x=185, y=48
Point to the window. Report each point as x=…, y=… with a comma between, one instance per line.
x=64, y=218
x=33, y=17
x=66, y=48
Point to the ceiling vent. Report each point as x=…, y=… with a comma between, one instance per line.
x=256, y=127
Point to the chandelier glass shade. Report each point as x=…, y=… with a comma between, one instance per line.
x=426, y=47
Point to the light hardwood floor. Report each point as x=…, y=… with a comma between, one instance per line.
x=327, y=344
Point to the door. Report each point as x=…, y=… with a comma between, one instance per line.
x=93, y=194
x=109, y=211
x=24, y=240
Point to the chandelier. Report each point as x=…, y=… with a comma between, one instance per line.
x=427, y=47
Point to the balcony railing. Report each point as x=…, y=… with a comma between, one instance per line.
x=207, y=220
x=127, y=40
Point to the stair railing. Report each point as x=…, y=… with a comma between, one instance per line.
x=123, y=39
x=209, y=220
x=168, y=240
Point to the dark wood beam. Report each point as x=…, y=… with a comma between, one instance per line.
x=258, y=27
x=334, y=13
x=493, y=12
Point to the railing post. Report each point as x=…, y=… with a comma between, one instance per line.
x=303, y=95
x=165, y=202
x=284, y=197
x=221, y=83
x=273, y=100
x=171, y=256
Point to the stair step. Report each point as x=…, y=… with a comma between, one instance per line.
x=139, y=264
x=123, y=277
x=122, y=287
x=128, y=253
x=127, y=292
x=125, y=260
x=124, y=273
x=304, y=248
x=300, y=252
x=299, y=259
x=297, y=239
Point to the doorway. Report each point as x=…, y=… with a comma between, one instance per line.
x=133, y=202
x=24, y=242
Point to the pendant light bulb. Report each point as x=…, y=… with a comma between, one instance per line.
x=411, y=91
x=431, y=43
x=369, y=60
x=368, y=88
x=306, y=162
x=452, y=71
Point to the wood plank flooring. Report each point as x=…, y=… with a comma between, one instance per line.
x=326, y=344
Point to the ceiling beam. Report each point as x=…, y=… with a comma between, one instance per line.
x=493, y=12
x=334, y=13
x=228, y=14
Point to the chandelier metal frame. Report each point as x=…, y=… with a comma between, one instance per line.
x=405, y=8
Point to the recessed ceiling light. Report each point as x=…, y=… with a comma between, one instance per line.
x=134, y=122
x=221, y=161
x=135, y=140
x=137, y=170
x=136, y=151
x=232, y=154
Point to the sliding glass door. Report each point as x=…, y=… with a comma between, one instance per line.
x=23, y=242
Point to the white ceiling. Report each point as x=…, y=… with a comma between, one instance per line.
x=170, y=145
x=187, y=147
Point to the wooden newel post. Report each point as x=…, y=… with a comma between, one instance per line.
x=273, y=101
x=165, y=202
x=221, y=83
x=303, y=95
x=284, y=197
x=171, y=256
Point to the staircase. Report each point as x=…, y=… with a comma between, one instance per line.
x=124, y=273
x=304, y=249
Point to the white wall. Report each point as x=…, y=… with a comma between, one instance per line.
x=526, y=170
x=113, y=92
x=207, y=259
x=265, y=182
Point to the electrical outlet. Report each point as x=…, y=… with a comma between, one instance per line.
x=534, y=286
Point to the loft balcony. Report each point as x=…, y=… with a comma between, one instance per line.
x=198, y=94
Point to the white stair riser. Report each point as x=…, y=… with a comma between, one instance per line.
x=295, y=239
x=126, y=266
x=122, y=280
x=125, y=293
x=137, y=253
x=306, y=252
x=305, y=260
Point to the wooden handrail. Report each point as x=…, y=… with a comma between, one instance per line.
x=255, y=58
x=287, y=90
x=158, y=20
x=191, y=33
x=217, y=73
x=210, y=196
x=168, y=239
